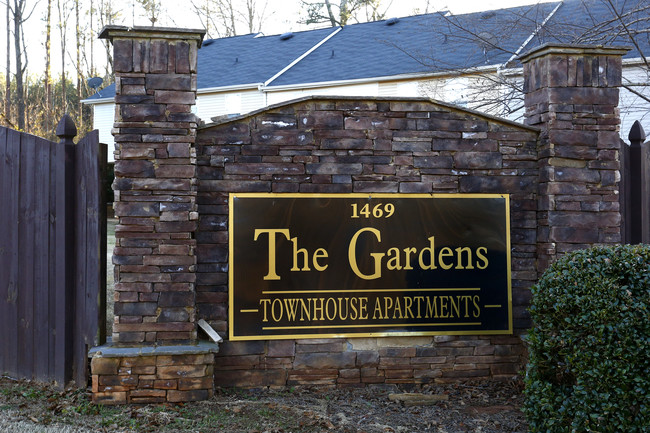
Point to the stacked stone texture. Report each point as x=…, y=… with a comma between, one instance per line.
x=155, y=193
x=345, y=145
x=152, y=379
x=572, y=95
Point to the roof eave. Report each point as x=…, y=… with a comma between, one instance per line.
x=399, y=77
x=98, y=101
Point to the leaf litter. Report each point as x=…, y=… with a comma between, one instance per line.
x=486, y=407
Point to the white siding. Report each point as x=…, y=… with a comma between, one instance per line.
x=633, y=107
x=209, y=105
x=103, y=117
x=367, y=89
x=251, y=101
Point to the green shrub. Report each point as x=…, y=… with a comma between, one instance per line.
x=589, y=362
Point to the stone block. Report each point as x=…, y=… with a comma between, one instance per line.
x=367, y=358
x=135, y=308
x=187, y=384
x=123, y=55
x=109, y=398
x=165, y=384
x=102, y=366
x=235, y=348
x=281, y=348
x=325, y=360
x=249, y=378
x=331, y=168
x=180, y=371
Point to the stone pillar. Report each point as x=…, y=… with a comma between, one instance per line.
x=155, y=201
x=572, y=96
x=155, y=183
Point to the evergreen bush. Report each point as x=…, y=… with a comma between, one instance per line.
x=589, y=349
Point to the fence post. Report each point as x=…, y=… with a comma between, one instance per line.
x=65, y=232
x=638, y=200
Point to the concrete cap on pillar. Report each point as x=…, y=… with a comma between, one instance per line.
x=570, y=49
x=112, y=31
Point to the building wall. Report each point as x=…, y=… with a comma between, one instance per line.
x=363, y=145
x=460, y=91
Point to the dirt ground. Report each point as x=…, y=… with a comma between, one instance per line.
x=471, y=407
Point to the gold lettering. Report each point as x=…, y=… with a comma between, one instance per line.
x=443, y=307
x=347, y=308
x=320, y=253
x=388, y=304
x=475, y=301
x=304, y=308
x=353, y=305
x=480, y=254
x=279, y=303
x=398, y=307
x=445, y=252
x=455, y=306
x=352, y=256
x=264, y=303
x=363, y=313
x=419, y=299
x=377, y=310
x=291, y=305
x=393, y=263
x=408, y=303
x=305, y=256
x=327, y=309
x=408, y=252
x=431, y=249
x=317, y=309
x=432, y=308
x=459, y=252
x=272, y=275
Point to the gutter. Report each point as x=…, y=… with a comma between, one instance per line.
x=402, y=77
x=97, y=101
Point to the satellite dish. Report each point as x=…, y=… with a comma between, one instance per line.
x=94, y=83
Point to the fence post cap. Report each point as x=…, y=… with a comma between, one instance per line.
x=636, y=132
x=66, y=129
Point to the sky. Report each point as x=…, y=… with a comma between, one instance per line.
x=282, y=16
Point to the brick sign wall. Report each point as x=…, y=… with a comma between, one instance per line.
x=320, y=145
x=172, y=260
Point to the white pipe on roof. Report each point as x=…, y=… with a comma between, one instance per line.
x=308, y=52
x=532, y=35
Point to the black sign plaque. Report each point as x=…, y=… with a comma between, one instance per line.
x=346, y=265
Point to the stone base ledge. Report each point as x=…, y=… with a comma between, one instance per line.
x=152, y=374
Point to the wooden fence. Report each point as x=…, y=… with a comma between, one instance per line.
x=635, y=187
x=52, y=254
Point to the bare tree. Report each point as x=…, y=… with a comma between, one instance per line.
x=7, y=105
x=152, y=9
x=19, y=16
x=48, y=72
x=343, y=12
x=491, y=77
x=224, y=18
x=64, y=11
x=107, y=15
x=80, y=79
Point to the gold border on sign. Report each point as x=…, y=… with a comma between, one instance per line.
x=401, y=333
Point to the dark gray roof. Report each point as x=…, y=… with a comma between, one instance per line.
x=414, y=45
x=418, y=44
x=249, y=60
x=595, y=22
